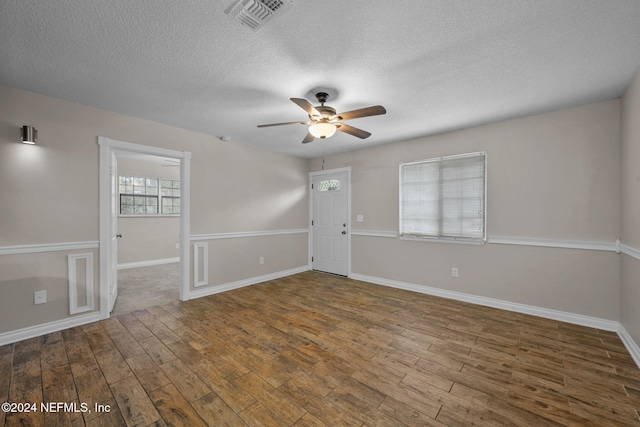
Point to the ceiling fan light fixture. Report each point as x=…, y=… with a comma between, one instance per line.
x=322, y=130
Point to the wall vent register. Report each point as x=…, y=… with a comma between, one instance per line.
x=255, y=13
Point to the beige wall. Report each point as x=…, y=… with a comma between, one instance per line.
x=280, y=253
x=551, y=176
x=22, y=275
x=147, y=238
x=49, y=194
x=630, y=212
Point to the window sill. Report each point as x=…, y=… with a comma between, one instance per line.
x=475, y=242
x=150, y=216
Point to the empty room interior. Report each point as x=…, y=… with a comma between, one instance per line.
x=295, y=213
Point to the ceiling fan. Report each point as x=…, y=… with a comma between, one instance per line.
x=324, y=121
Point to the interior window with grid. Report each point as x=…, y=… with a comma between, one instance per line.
x=170, y=192
x=444, y=198
x=148, y=196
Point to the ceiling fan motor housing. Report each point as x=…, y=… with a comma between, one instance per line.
x=325, y=112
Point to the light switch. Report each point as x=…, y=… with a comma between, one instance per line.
x=359, y=218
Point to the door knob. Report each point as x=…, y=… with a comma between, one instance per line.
x=344, y=232
x=118, y=235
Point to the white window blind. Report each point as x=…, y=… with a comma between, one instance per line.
x=444, y=197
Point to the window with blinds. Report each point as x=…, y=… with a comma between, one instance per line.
x=444, y=198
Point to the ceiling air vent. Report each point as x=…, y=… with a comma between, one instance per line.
x=255, y=13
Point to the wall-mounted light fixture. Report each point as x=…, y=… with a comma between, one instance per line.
x=29, y=135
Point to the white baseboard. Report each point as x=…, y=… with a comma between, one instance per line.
x=47, y=328
x=199, y=293
x=563, y=316
x=148, y=263
x=630, y=344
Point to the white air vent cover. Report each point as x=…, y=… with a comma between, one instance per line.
x=255, y=13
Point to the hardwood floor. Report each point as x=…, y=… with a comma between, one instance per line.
x=318, y=350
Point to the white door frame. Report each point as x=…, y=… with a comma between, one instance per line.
x=107, y=147
x=328, y=172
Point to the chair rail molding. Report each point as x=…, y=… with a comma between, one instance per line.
x=374, y=233
x=555, y=243
x=242, y=234
x=47, y=247
x=629, y=250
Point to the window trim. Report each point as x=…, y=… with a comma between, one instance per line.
x=444, y=239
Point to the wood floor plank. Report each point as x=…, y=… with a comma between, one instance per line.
x=258, y=415
x=215, y=412
x=230, y=392
x=53, y=351
x=174, y=408
x=271, y=398
x=185, y=380
x=70, y=418
x=92, y=389
x=6, y=362
x=58, y=385
x=158, y=351
x=407, y=415
x=113, y=365
x=133, y=402
x=148, y=372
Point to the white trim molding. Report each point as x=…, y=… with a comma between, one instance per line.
x=246, y=282
x=108, y=148
x=47, y=247
x=73, y=259
x=327, y=171
x=242, y=234
x=630, y=344
x=200, y=247
x=562, y=316
x=148, y=263
x=374, y=233
x=519, y=241
x=47, y=328
x=554, y=243
x=631, y=251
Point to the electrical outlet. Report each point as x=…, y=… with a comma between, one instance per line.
x=454, y=272
x=39, y=297
x=261, y=260
x=359, y=218
x=177, y=245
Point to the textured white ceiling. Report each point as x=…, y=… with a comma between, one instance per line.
x=435, y=65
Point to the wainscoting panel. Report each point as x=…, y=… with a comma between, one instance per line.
x=200, y=264
x=80, y=287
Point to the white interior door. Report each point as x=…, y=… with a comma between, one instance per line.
x=330, y=223
x=113, y=259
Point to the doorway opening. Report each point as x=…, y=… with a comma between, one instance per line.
x=112, y=203
x=148, y=224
